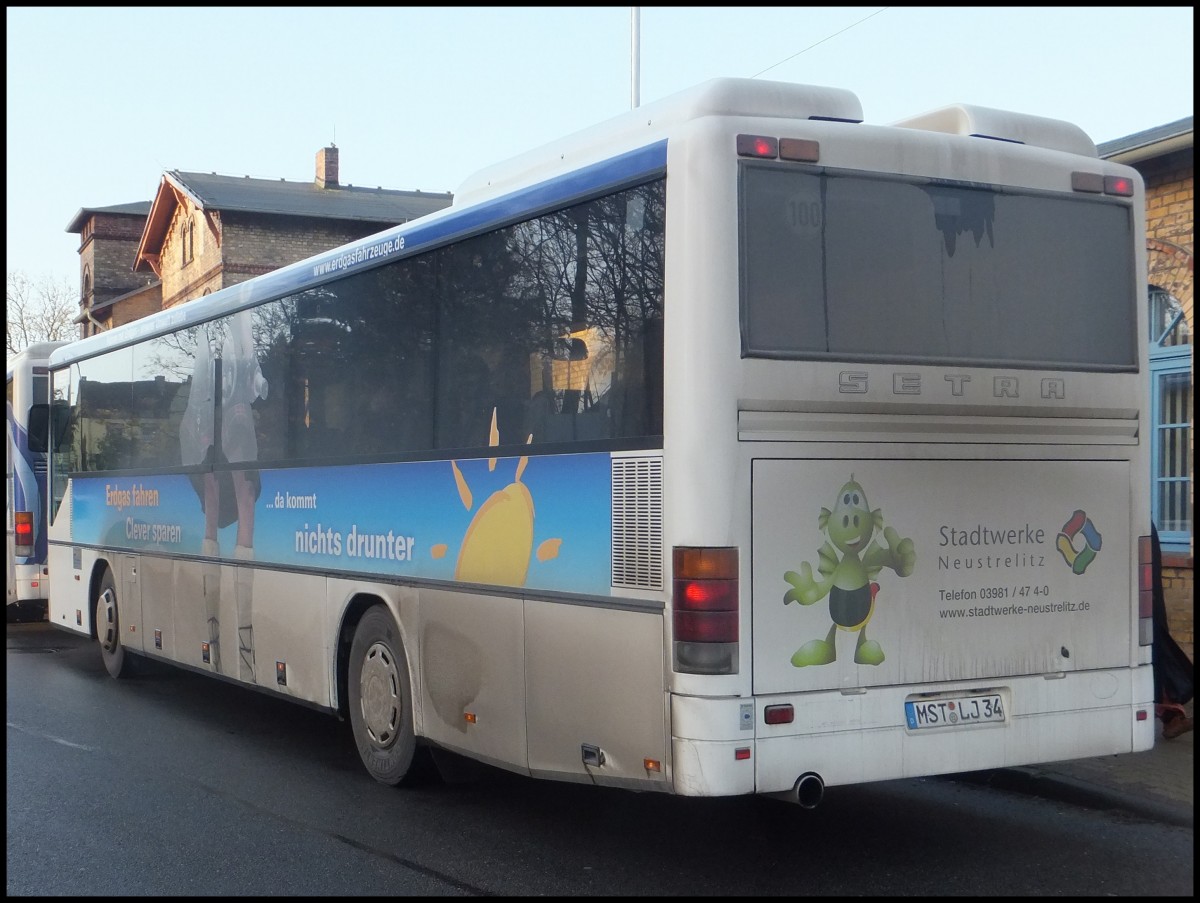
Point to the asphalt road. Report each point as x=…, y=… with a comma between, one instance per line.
x=177, y=784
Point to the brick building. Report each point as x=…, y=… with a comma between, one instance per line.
x=1165, y=158
x=110, y=292
x=204, y=232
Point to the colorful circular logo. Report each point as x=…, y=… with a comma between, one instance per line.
x=1079, y=526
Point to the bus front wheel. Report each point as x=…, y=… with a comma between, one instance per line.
x=108, y=627
x=380, y=698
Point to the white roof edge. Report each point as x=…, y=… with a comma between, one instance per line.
x=715, y=97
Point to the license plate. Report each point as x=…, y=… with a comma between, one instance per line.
x=954, y=711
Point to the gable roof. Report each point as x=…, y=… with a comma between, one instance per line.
x=278, y=197
x=210, y=193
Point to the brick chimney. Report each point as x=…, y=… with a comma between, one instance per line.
x=327, y=167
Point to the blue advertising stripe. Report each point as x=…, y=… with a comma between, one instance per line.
x=548, y=527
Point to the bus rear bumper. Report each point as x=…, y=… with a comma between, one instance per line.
x=1082, y=726
x=837, y=738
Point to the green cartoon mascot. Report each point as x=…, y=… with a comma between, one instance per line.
x=850, y=527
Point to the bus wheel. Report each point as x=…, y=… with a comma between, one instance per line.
x=380, y=698
x=108, y=627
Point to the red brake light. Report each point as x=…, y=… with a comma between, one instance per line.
x=706, y=595
x=1118, y=185
x=757, y=146
x=23, y=530
x=705, y=609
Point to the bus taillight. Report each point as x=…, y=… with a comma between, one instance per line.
x=1095, y=183
x=1145, y=591
x=705, y=610
x=23, y=542
x=1118, y=185
x=757, y=146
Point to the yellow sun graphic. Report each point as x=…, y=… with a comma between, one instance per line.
x=499, y=540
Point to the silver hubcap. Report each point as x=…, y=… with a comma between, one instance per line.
x=106, y=626
x=379, y=689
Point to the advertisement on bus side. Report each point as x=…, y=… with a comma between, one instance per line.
x=542, y=522
x=879, y=572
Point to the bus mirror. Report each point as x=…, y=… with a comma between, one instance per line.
x=39, y=427
x=61, y=419
x=48, y=426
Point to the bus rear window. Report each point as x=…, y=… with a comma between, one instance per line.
x=851, y=267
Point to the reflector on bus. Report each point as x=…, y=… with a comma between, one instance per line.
x=802, y=150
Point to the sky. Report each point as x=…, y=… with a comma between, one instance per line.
x=103, y=100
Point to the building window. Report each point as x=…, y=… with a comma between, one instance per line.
x=1171, y=447
x=187, y=241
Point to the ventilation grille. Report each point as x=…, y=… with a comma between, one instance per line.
x=637, y=523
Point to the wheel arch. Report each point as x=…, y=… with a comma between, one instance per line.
x=99, y=566
x=356, y=607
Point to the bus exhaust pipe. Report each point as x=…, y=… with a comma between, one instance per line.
x=809, y=790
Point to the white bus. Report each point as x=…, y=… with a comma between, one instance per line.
x=733, y=446
x=27, y=384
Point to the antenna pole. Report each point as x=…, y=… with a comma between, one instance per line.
x=635, y=40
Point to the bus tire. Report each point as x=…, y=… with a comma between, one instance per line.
x=108, y=627
x=380, y=698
